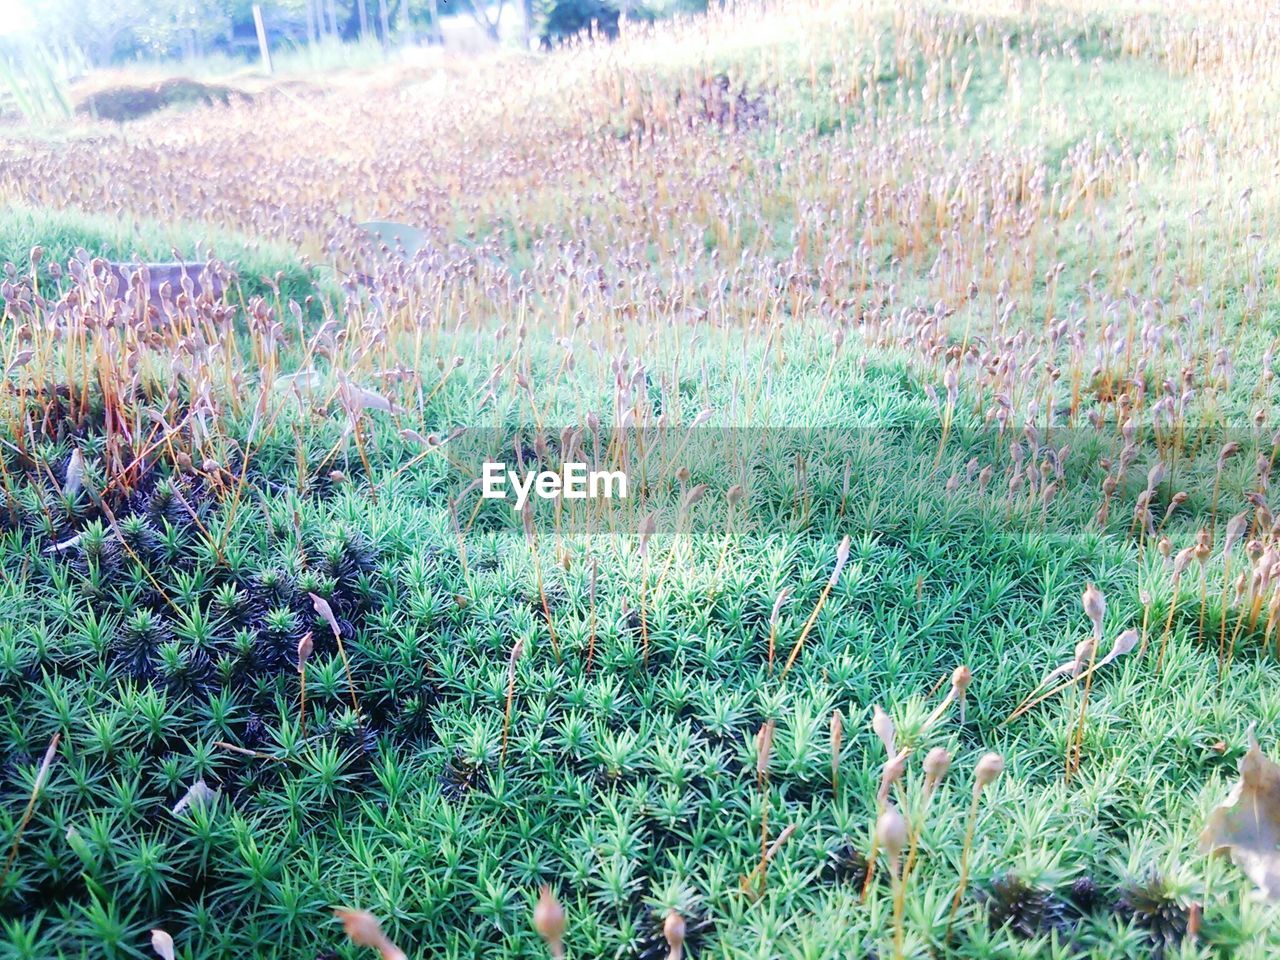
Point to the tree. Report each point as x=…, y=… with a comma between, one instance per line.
x=480, y=12
x=101, y=28
x=186, y=28
x=384, y=22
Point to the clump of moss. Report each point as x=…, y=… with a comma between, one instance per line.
x=845, y=863
x=1151, y=905
x=1029, y=911
x=131, y=101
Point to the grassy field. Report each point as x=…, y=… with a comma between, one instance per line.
x=937, y=340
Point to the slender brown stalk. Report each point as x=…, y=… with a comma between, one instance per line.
x=305, y=646
x=42, y=775
x=591, y=642
x=989, y=767
x=1077, y=742
x=842, y=557
x=516, y=649
x=322, y=607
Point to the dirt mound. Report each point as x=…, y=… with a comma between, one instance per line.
x=128, y=102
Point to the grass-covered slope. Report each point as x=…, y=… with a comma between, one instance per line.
x=989, y=294
x=60, y=234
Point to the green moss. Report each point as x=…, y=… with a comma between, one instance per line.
x=61, y=233
x=161, y=646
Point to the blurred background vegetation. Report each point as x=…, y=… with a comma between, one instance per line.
x=71, y=35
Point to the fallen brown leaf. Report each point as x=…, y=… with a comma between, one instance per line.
x=1246, y=826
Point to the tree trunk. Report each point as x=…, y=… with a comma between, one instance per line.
x=364, y=18
x=384, y=21
x=263, y=47
x=437, y=34
x=480, y=12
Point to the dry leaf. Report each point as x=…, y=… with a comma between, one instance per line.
x=198, y=795
x=162, y=944
x=68, y=544
x=1246, y=826
x=75, y=473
